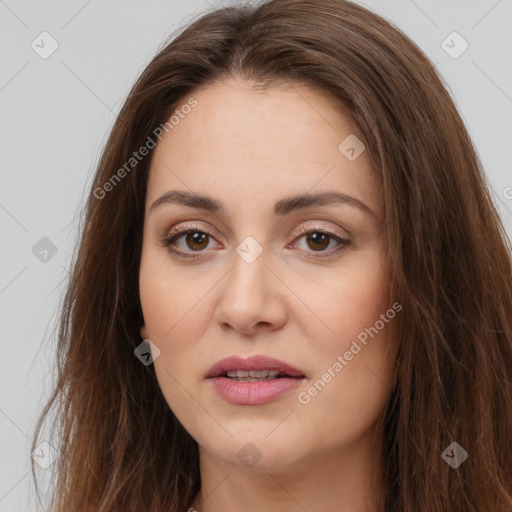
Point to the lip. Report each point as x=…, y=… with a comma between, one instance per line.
x=253, y=393
x=256, y=363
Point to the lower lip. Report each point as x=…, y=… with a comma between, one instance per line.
x=253, y=393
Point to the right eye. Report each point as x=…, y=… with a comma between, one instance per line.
x=195, y=240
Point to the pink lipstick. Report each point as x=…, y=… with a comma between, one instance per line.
x=253, y=381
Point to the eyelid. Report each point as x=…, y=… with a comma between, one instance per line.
x=308, y=227
x=187, y=227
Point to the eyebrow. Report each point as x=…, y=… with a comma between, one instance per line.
x=281, y=207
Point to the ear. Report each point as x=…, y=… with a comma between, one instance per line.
x=144, y=332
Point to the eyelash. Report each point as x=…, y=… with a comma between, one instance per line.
x=175, y=235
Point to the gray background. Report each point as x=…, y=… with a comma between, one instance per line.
x=55, y=116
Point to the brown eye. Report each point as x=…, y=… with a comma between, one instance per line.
x=318, y=241
x=195, y=240
x=193, y=244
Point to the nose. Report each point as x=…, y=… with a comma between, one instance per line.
x=251, y=299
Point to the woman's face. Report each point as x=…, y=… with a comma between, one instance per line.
x=298, y=282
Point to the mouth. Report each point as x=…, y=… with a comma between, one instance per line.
x=254, y=375
x=253, y=369
x=253, y=381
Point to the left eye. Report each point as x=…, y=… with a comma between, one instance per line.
x=319, y=240
x=195, y=240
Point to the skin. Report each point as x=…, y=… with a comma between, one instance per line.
x=249, y=149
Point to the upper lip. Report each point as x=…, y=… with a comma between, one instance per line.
x=256, y=363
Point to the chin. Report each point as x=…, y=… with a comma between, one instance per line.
x=258, y=452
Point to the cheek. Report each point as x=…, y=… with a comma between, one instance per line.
x=349, y=391
x=349, y=301
x=172, y=300
x=176, y=313
x=169, y=308
x=354, y=365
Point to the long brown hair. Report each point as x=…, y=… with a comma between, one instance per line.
x=121, y=447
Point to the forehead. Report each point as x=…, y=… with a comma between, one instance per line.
x=244, y=142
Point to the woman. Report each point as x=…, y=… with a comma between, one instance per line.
x=292, y=290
